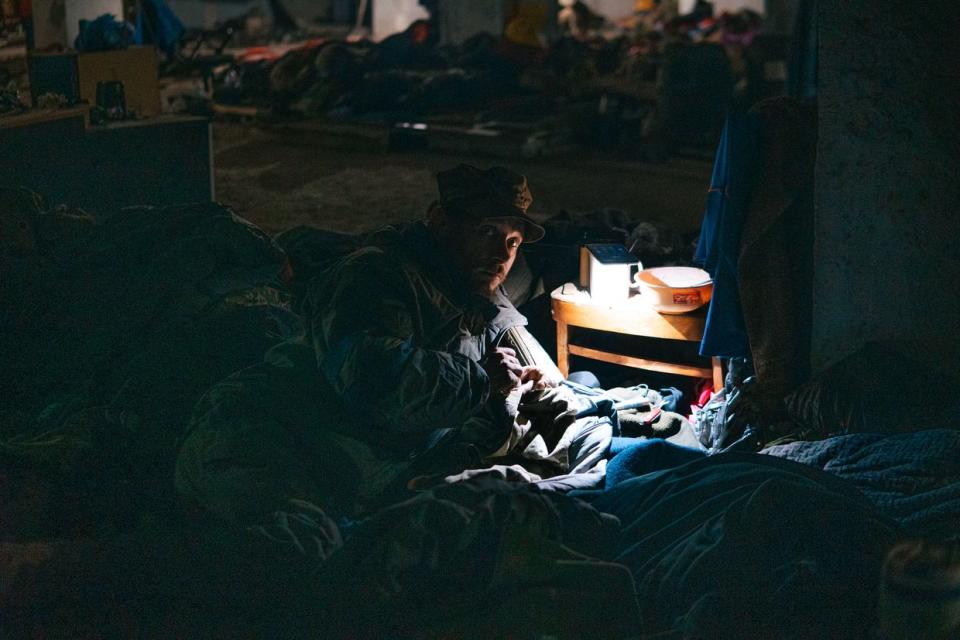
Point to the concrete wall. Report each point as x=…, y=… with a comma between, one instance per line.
x=887, y=254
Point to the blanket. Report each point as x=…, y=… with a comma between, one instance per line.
x=118, y=327
x=913, y=478
x=742, y=545
x=479, y=559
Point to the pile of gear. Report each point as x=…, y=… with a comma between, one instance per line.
x=139, y=313
x=614, y=92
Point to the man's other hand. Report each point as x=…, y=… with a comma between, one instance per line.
x=504, y=370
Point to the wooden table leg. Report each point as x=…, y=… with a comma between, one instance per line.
x=717, y=374
x=563, y=353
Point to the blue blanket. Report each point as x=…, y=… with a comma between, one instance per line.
x=741, y=545
x=913, y=478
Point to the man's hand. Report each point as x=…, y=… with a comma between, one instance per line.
x=504, y=370
x=534, y=378
x=506, y=373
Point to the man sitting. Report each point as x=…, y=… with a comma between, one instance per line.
x=403, y=369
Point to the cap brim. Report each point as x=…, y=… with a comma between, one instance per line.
x=532, y=232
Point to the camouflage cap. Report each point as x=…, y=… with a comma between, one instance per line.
x=496, y=192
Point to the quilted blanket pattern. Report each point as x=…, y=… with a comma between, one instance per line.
x=913, y=478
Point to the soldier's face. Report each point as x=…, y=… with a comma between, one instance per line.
x=485, y=249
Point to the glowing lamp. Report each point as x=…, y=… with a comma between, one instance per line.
x=605, y=271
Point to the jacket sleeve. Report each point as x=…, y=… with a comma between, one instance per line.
x=363, y=320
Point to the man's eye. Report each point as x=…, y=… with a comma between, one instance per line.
x=513, y=243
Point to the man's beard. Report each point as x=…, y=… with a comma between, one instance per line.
x=486, y=281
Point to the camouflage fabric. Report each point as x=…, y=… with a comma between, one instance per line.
x=110, y=331
x=259, y=438
x=386, y=381
x=479, y=559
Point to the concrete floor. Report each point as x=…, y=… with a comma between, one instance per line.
x=279, y=179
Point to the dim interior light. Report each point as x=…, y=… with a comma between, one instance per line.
x=608, y=271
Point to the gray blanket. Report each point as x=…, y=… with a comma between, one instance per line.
x=913, y=478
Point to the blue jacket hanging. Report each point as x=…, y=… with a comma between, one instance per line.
x=734, y=173
x=157, y=24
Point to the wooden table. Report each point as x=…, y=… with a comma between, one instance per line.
x=635, y=317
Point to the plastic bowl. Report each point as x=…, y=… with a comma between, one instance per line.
x=675, y=289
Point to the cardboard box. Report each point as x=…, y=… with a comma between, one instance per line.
x=76, y=75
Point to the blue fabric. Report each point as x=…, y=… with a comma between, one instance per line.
x=158, y=24
x=718, y=249
x=672, y=397
x=585, y=378
x=106, y=33
x=736, y=545
x=631, y=457
x=913, y=478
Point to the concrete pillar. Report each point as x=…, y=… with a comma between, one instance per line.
x=887, y=246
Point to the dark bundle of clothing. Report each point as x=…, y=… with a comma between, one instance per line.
x=118, y=326
x=106, y=33
x=413, y=48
